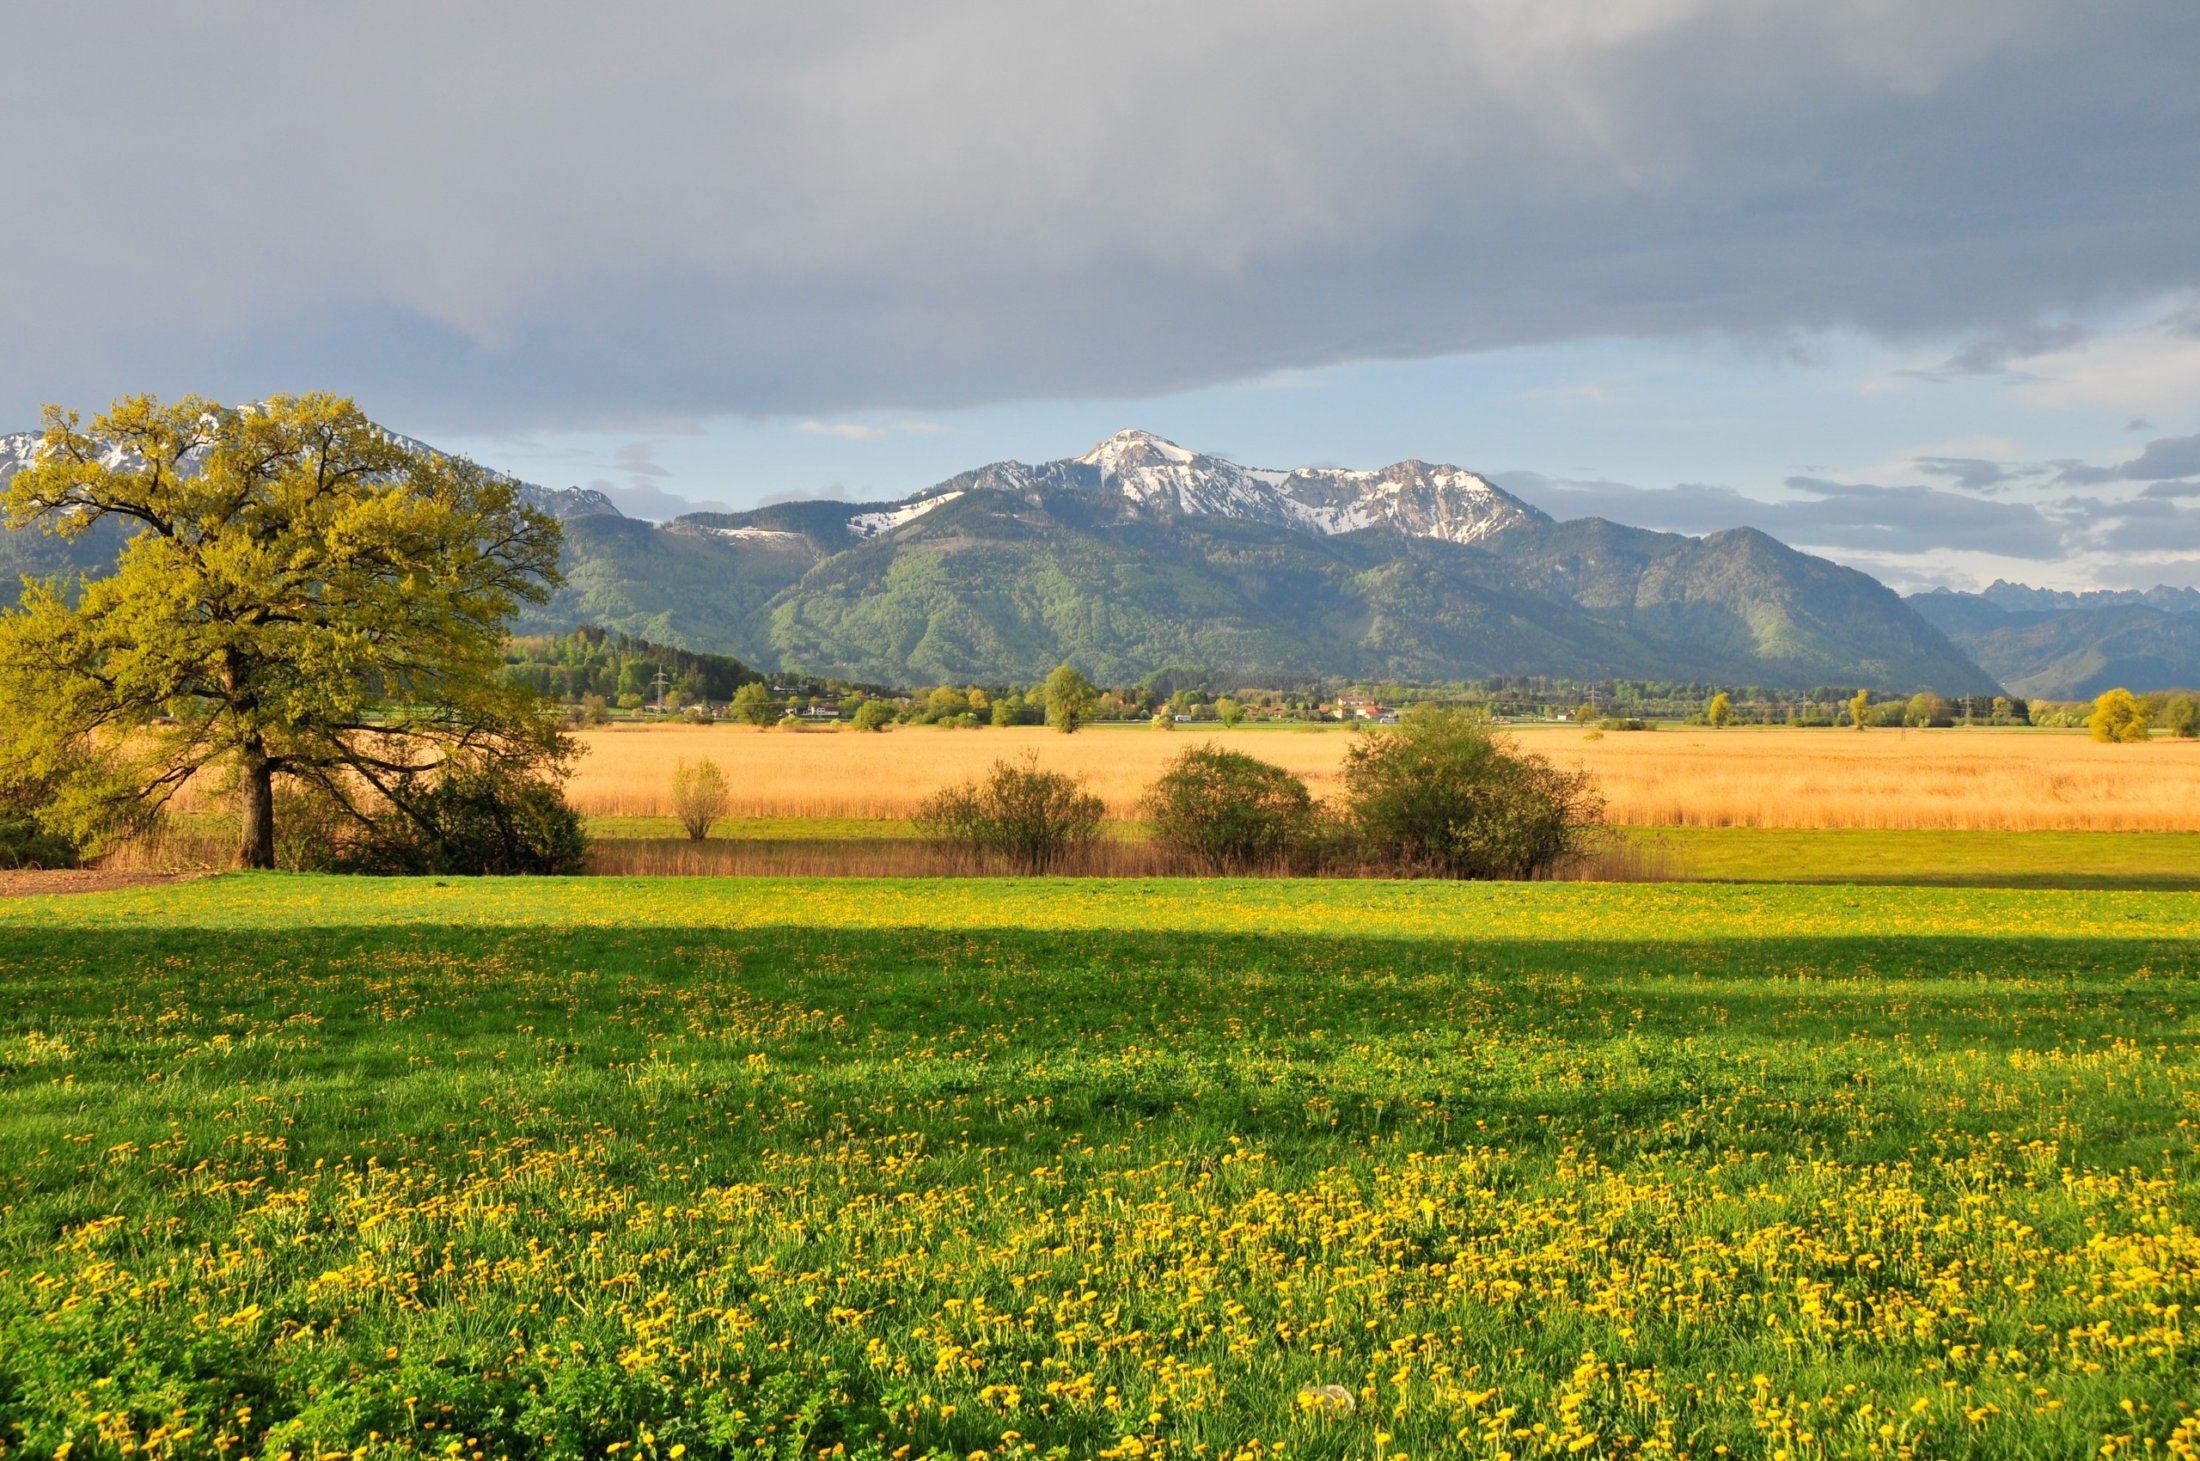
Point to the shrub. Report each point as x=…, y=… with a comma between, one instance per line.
x=699, y=796
x=1029, y=818
x=753, y=703
x=943, y=705
x=1070, y=699
x=1230, y=812
x=313, y=828
x=472, y=821
x=26, y=843
x=2118, y=716
x=29, y=837
x=2181, y=716
x=873, y=715
x=1444, y=795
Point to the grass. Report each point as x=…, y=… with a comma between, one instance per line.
x=2169, y=860
x=1097, y=1168
x=1959, y=779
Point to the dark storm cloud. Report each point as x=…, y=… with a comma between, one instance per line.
x=1861, y=517
x=563, y=214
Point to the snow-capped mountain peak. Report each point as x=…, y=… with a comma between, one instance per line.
x=1133, y=448
x=1414, y=497
x=1149, y=476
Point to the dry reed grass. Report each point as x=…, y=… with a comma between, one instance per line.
x=1963, y=779
x=911, y=857
x=196, y=844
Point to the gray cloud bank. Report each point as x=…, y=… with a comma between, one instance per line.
x=500, y=215
x=2045, y=513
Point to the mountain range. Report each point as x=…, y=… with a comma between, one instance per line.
x=2059, y=645
x=1141, y=555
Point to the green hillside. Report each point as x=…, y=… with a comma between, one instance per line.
x=999, y=586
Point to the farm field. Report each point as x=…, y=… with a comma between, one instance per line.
x=667, y=1169
x=1961, y=779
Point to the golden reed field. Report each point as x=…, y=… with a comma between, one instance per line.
x=1972, y=779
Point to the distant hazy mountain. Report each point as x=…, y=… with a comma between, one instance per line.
x=2057, y=645
x=1140, y=555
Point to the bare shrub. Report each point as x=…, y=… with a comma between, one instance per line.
x=699, y=796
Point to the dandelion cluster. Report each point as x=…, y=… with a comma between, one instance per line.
x=693, y=1185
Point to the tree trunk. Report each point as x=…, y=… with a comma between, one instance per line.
x=257, y=847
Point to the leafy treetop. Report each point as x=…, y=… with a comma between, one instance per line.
x=301, y=597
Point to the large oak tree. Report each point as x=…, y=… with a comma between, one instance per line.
x=302, y=597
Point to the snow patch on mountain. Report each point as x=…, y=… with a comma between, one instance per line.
x=759, y=535
x=871, y=524
x=1151, y=476
x=1154, y=474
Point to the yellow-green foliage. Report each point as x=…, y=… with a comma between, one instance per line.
x=941, y=1168
x=2118, y=716
x=304, y=598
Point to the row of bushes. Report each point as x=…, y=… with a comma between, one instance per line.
x=1440, y=796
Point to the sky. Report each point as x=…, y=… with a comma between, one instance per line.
x=1913, y=286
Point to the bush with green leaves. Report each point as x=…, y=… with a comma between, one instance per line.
x=1225, y=811
x=874, y=715
x=32, y=836
x=1034, y=821
x=27, y=843
x=753, y=703
x=1071, y=699
x=2181, y=716
x=2118, y=716
x=1443, y=795
x=471, y=821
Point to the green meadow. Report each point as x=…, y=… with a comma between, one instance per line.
x=316, y=1167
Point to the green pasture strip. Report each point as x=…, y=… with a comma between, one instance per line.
x=2136, y=860
x=1367, y=909
x=938, y=1167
